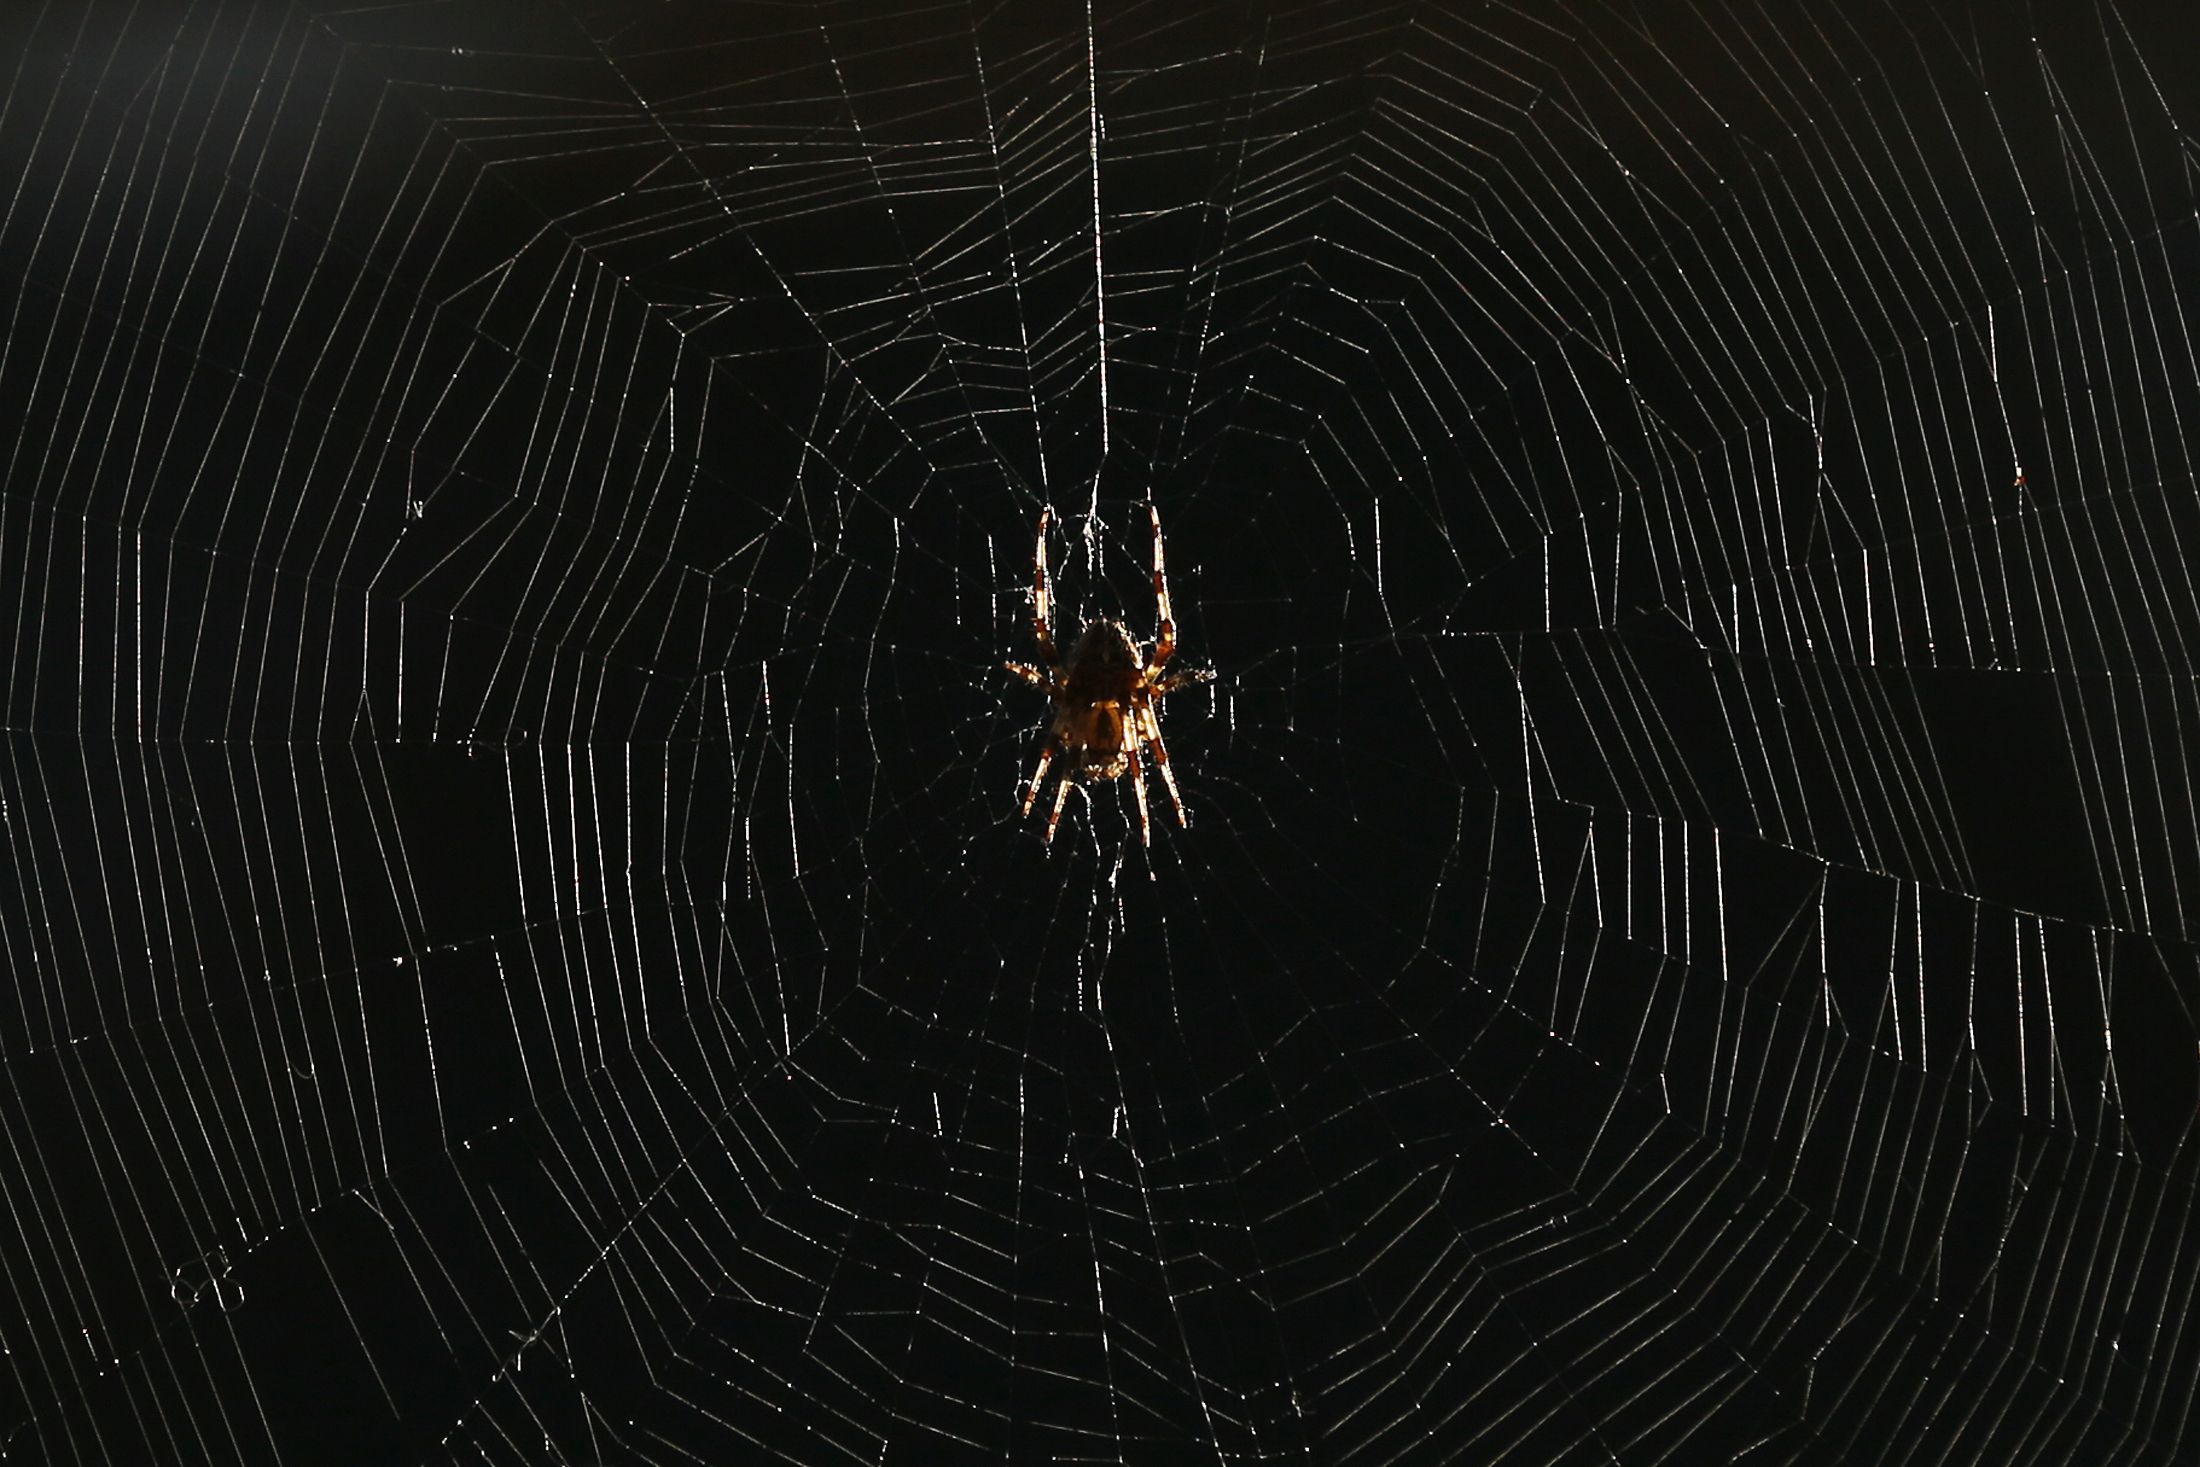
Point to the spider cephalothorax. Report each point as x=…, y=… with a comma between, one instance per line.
x=1104, y=694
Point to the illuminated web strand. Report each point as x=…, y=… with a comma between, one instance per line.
x=1099, y=268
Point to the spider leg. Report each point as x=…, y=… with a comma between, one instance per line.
x=1165, y=646
x=1038, y=777
x=1042, y=624
x=1161, y=761
x=1184, y=679
x=1029, y=674
x=1138, y=788
x=1061, y=797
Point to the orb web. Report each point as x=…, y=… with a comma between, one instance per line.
x=522, y=945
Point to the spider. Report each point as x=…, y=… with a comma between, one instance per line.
x=1104, y=696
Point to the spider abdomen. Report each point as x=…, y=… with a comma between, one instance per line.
x=1094, y=731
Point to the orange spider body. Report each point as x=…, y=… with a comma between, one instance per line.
x=1104, y=695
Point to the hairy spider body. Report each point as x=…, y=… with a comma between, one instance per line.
x=1104, y=694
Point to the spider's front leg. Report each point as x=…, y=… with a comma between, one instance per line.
x=1042, y=625
x=1042, y=621
x=1165, y=646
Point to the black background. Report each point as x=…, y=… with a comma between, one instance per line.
x=522, y=946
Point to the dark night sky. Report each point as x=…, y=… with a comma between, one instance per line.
x=522, y=947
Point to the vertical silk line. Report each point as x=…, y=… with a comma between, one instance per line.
x=1099, y=272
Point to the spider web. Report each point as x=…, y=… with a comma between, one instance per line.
x=522, y=946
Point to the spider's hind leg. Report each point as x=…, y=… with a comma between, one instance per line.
x=1061, y=798
x=1038, y=778
x=1138, y=788
x=1161, y=762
